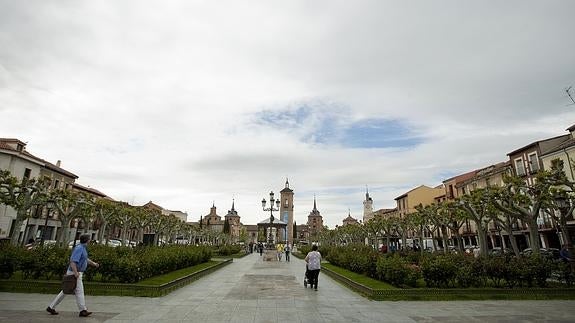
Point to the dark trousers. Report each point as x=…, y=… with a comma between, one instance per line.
x=312, y=277
x=287, y=255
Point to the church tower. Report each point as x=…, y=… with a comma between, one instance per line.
x=234, y=222
x=367, y=207
x=286, y=211
x=314, y=221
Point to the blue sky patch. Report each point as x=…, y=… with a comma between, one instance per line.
x=379, y=133
x=330, y=125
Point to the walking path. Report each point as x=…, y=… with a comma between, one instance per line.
x=250, y=290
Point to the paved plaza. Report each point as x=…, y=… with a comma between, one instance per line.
x=250, y=290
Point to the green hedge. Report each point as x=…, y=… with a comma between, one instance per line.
x=121, y=264
x=446, y=270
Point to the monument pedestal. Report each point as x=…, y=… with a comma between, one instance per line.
x=270, y=255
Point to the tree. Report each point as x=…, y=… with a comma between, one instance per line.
x=124, y=218
x=454, y=219
x=22, y=196
x=68, y=205
x=480, y=210
x=525, y=202
x=105, y=211
x=226, y=227
x=243, y=235
x=429, y=215
x=142, y=218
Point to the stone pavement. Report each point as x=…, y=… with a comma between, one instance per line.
x=250, y=290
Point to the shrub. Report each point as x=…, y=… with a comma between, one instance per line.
x=396, y=271
x=439, y=271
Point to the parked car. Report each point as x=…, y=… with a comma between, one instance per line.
x=552, y=253
x=114, y=243
x=498, y=251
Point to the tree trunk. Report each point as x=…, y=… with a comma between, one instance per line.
x=482, y=236
x=102, y=232
x=17, y=225
x=534, y=235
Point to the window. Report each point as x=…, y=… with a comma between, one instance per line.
x=56, y=184
x=487, y=182
x=519, y=168
x=533, y=162
x=27, y=173
x=286, y=202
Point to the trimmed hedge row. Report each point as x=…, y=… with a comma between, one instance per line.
x=121, y=264
x=446, y=270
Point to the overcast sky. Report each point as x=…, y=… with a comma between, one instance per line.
x=189, y=103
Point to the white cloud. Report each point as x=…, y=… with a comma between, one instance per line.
x=157, y=101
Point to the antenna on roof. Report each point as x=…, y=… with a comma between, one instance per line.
x=568, y=91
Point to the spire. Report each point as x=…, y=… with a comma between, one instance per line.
x=233, y=202
x=314, y=207
x=287, y=182
x=366, y=193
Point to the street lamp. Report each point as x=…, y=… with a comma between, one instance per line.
x=49, y=206
x=271, y=209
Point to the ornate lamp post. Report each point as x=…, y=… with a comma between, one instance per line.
x=49, y=206
x=271, y=209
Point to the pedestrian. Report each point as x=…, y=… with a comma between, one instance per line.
x=287, y=251
x=261, y=248
x=79, y=262
x=280, y=250
x=313, y=261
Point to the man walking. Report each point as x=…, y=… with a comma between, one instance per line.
x=79, y=262
x=287, y=251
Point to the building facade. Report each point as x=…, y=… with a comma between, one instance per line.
x=286, y=211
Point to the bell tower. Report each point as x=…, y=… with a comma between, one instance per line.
x=367, y=207
x=286, y=211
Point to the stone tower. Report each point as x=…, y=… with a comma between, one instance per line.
x=314, y=221
x=234, y=221
x=286, y=210
x=367, y=207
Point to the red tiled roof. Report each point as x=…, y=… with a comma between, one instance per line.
x=48, y=165
x=88, y=189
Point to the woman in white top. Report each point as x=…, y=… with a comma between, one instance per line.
x=313, y=260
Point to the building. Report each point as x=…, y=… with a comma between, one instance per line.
x=367, y=207
x=212, y=220
x=23, y=165
x=466, y=183
x=234, y=222
x=564, y=152
x=314, y=220
x=349, y=220
x=526, y=161
x=421, y=195
x=385, y=214
x=286, y=211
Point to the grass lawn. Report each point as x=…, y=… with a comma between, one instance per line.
x=166, y=278
x=362, y=279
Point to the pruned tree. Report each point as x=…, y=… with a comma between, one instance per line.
x=525, y=202
x=480, y=210
x=68, y=204
x=105, y=211
x=22, y=196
